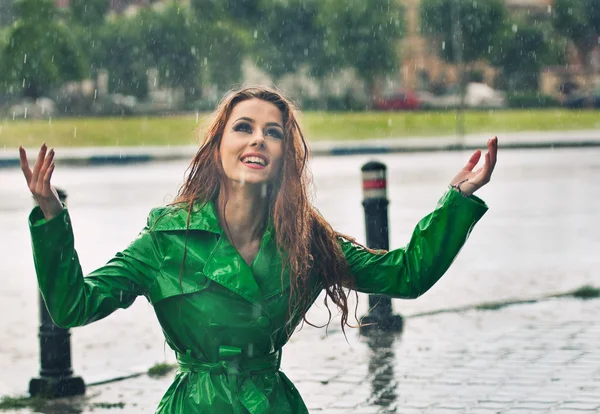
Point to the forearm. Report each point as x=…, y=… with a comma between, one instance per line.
x=436, y=240
x=58, y=270
x=71, y=298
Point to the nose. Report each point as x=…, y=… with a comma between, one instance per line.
x=258, y=140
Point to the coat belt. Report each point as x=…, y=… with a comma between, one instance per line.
x=236, y=367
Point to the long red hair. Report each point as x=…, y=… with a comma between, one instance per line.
x=306, y=240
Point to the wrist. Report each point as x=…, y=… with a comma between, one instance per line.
x=460, y=188
x=50, y=211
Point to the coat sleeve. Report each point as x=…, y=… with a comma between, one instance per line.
x=75, y=300
x=410, y=271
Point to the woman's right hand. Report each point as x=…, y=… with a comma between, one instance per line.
x=38, y=181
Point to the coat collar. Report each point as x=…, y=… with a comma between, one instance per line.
x=203, y=217
x=224, y=265
x=174, y=218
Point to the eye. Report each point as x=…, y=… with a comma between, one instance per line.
x=276, y=133
x=243, y=127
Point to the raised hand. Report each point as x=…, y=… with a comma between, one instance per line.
x=469, y=181
x=38, y=181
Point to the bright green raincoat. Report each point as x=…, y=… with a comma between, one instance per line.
x=225, y=320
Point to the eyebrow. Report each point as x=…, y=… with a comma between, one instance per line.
x=252, y=121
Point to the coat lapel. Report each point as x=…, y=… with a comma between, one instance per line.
x=224, y=265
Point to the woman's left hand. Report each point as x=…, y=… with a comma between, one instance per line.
x=470, y=181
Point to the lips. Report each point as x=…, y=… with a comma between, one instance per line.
x=254, y=160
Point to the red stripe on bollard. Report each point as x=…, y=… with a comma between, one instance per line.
x=374, y=184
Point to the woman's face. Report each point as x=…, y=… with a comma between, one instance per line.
x=251, y=148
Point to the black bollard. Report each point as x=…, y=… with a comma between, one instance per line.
x=375, y=202
x=56, y=375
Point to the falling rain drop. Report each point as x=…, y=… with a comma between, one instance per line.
x=25, y=58
x=95, y=94
x=75, y=132
x=197, y=117
x=25, y=114
x=515, y=28
x=256, y=34
x=443, y=45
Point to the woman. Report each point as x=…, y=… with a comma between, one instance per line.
x=232, y=266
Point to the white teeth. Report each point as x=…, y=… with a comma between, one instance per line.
x=254, y=160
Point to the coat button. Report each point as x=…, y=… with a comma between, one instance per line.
x=263, y=322
x=200, y=278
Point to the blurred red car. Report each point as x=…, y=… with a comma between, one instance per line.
x=396, y=101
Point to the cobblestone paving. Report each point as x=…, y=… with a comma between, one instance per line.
x=537, y=358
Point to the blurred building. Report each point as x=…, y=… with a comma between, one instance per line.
x=422, y=68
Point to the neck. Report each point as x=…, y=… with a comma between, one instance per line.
x=245, y=213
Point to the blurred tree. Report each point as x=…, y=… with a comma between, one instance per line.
x=209, y=11
x=363, y=35
x=174, y=42
x=465, y=29
x=89, y=12
x=579, y=21
x=289, y=36
x=222, y=40
x=521, y=50
x=40, y=51
x=6, y=12
x=87, y=18
x=245, y=12
x=223, y=59
x=121, y=50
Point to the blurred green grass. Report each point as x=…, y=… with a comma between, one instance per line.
x=317, y=126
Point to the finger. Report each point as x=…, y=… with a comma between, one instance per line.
x=48, y=176
x=480, y=176
x=494, y=151
x=44, y=170
x=487, y=168
x=25, y=164
x=38, y=163
x=49, y=159
x=473, y=161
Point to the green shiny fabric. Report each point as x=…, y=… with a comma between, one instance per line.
x=226, y=321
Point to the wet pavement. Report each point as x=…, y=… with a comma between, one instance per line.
x=539, y=238
x=537, y=358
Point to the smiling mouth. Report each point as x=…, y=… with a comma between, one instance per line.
x=254, y=161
